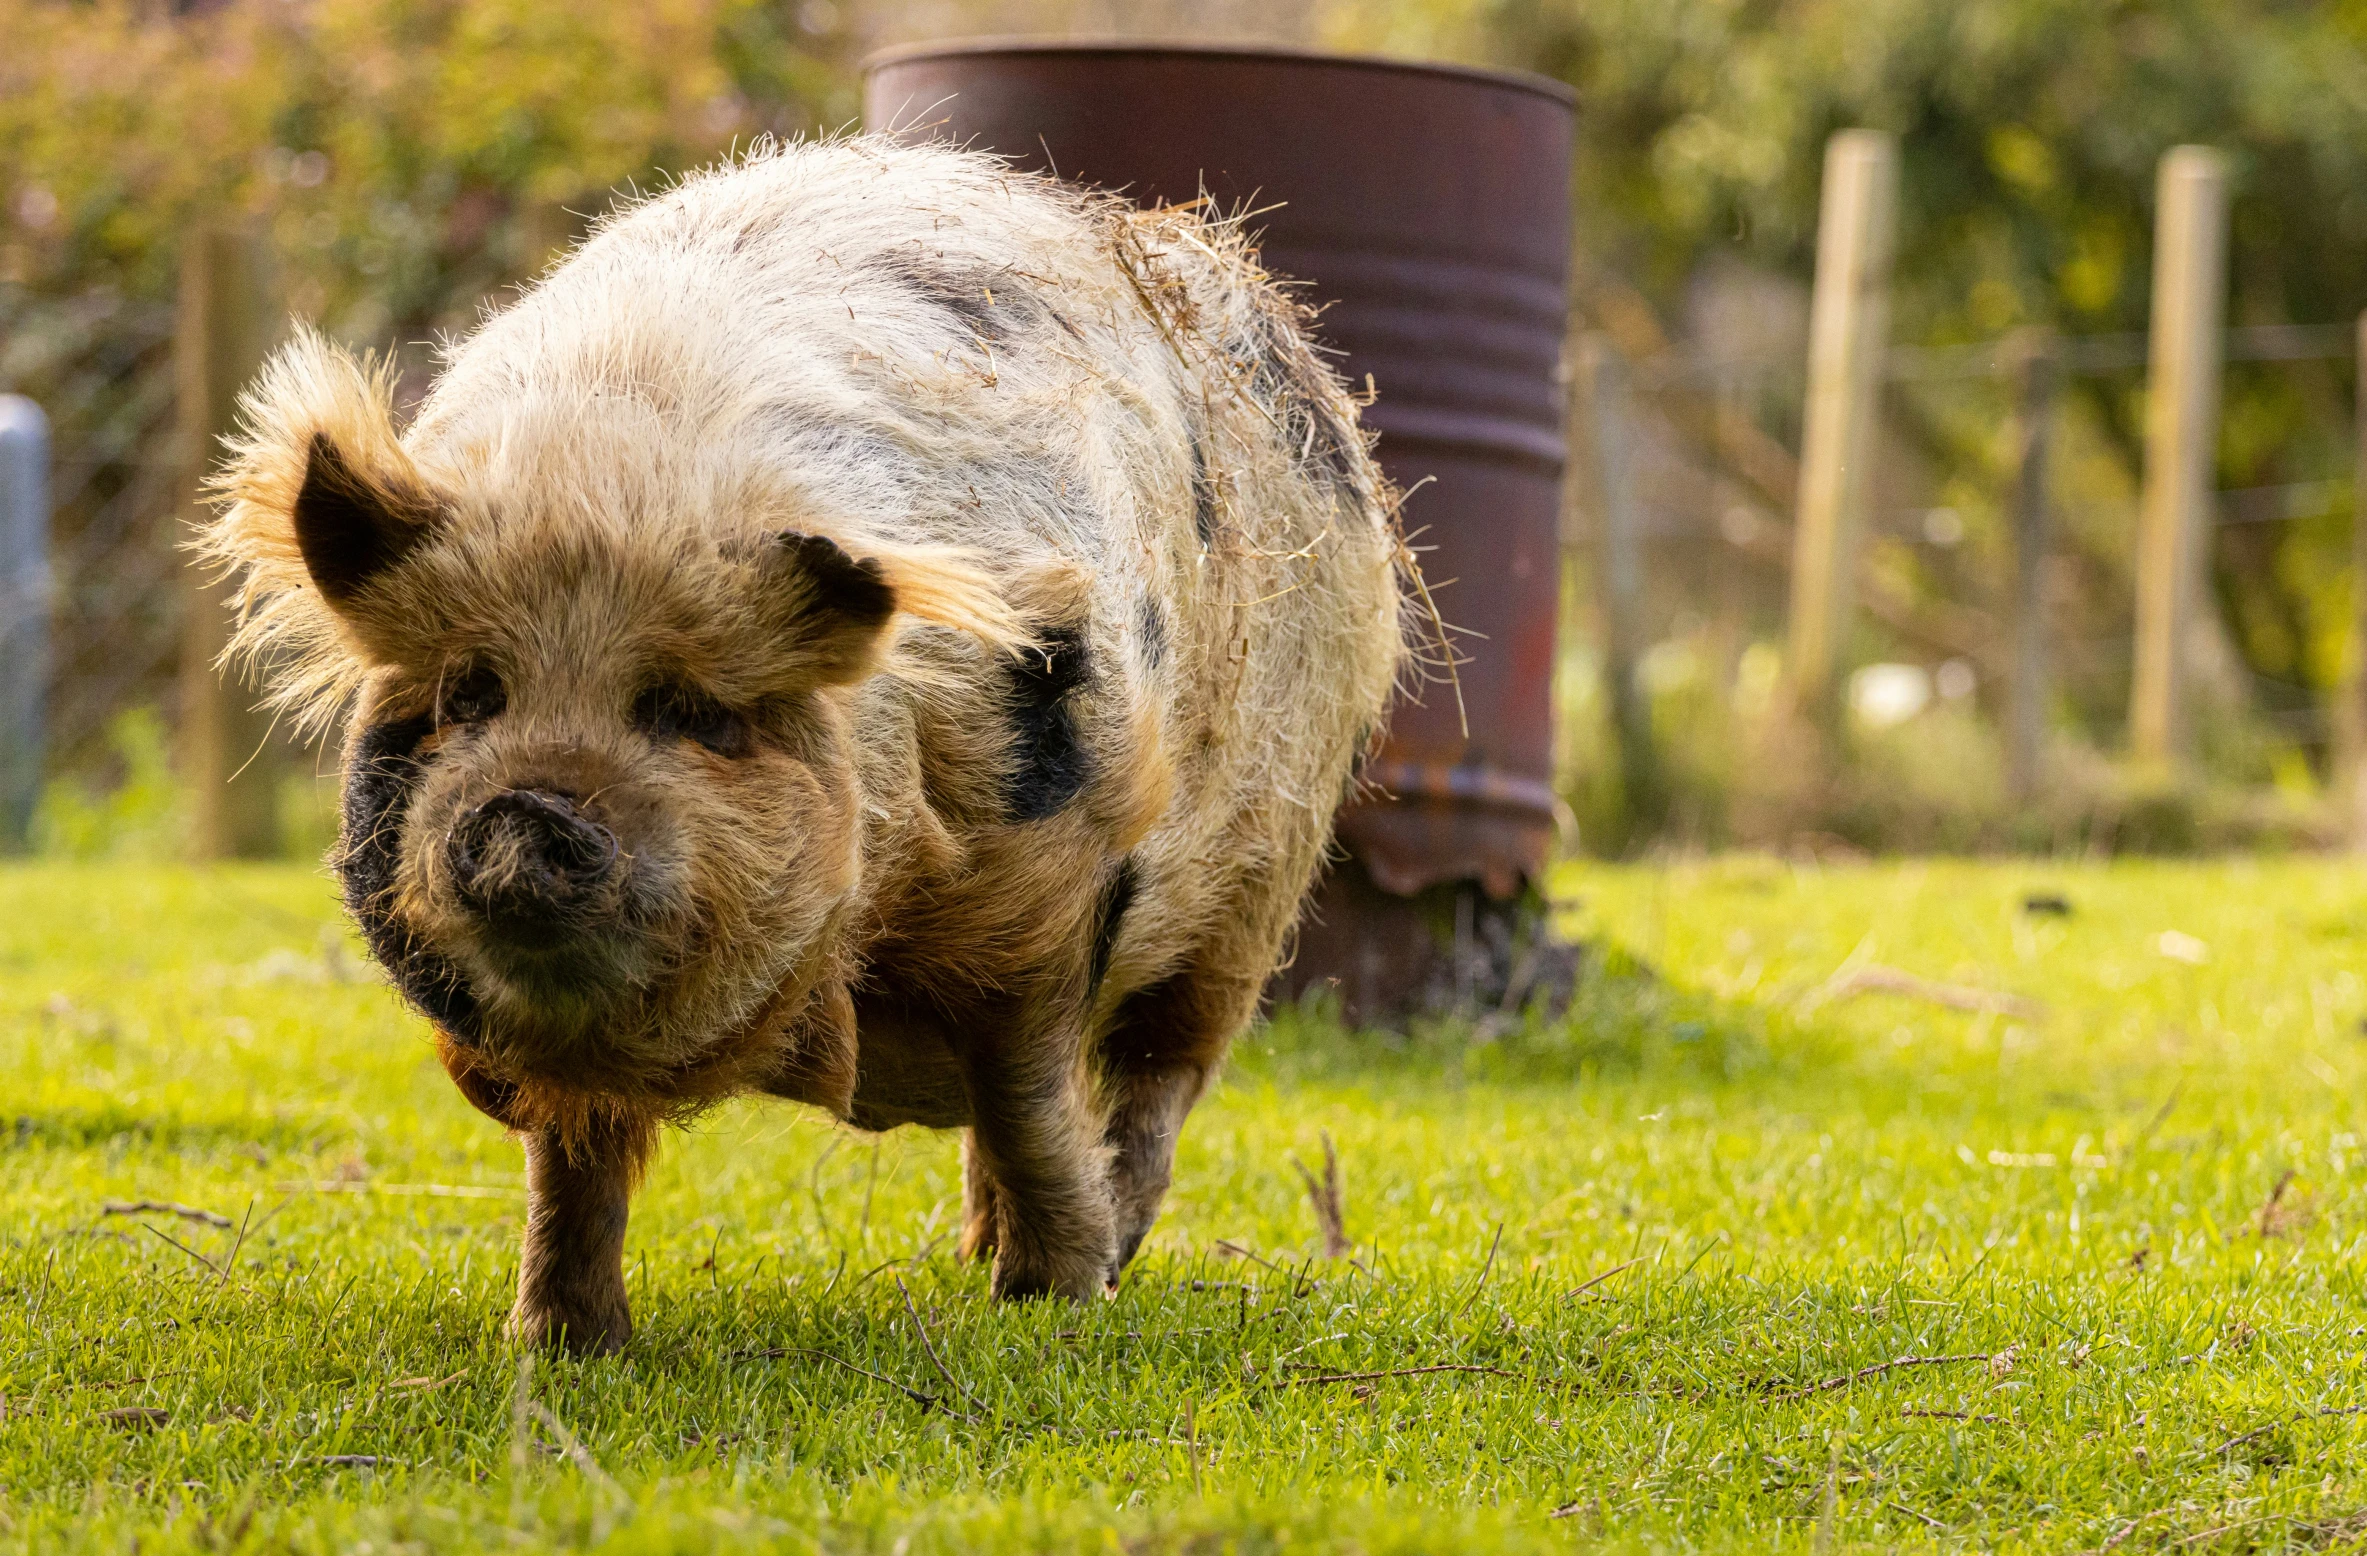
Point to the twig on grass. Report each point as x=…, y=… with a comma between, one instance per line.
x=2258, y=1432
x=2241, y=1438
x=2275, y=1218
x=1616, y=1269
x=912, y=1259
x=2228, y=1528
x=1950, y=1415
x=1394, y=1372
x=930, y=1349
x=240, y=1241
x=141, y=1207
x=1331, y=1210
x=2161, y=1116
x=1484, y=1269
x=814, y=1182
x=136, y=1415
x=1239, y=1252
x=579, y=1455
x=919, y=1397
x=429, y=1190
x=1192, y=1439
x=184, y=1247
x=2128, y=1529
x=1876, y=1371
x=521, y=1395
x=1828, y=1506
x=124, y=1383
x=1926, y=1519
x=1874, y=978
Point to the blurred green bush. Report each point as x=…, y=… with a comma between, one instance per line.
x=410, y=156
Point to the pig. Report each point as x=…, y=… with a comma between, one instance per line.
x=870, y=627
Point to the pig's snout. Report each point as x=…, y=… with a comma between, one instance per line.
x=531, y=864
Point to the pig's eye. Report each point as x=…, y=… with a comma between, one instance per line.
x=472, y=697
x=668, y=712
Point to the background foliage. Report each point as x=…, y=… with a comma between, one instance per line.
x=405, y=154
x=412, y=158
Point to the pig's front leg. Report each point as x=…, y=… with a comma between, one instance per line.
x=571, y=1273
x=1034, y=1161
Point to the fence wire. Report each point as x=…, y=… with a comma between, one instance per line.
x=101, y=367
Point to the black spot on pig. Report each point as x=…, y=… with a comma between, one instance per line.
x=1203, y=496
x=985, y=301
x=380, y=778
x=1153, y=630
x=1116, y=898
x=1049, y=762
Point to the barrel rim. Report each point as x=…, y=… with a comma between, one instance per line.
x=1517, y=80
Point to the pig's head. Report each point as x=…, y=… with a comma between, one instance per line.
x=602, y=812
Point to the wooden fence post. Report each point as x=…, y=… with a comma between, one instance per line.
x=1847, y=329
x=1619, y=579
x=2350, y=724
x=2181, y=441
x=2032, y=361
x=228, y=322
x=24, y=614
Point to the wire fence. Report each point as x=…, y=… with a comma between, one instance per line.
x=1704, y=450
x=1708, y=447
x=101, y=367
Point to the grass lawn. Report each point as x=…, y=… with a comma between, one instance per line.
x=2079, y=1269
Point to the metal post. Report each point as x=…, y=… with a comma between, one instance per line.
x=228, y=323
x=1619, y=578
x=1847, y=325
x=2035, y=372
x=24, y=614
x=2181, y=441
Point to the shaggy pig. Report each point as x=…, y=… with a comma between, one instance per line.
x=871, y=627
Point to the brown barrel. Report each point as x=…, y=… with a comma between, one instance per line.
x=1428, y=209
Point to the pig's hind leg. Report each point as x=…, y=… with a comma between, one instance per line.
x=1163, y=1045
x=979, y=1201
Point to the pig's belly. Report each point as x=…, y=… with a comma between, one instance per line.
x=905, y=1073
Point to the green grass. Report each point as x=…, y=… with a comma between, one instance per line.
x=1812, y=1187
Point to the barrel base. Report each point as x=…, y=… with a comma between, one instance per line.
x=1450, y=950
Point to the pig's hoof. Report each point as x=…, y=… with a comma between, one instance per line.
x=592, y=1332
x=1076, y=1281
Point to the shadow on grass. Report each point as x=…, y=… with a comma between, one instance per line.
x=1624, y=1021
x=78, y=1129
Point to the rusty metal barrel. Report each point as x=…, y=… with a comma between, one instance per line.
x=1428, y=210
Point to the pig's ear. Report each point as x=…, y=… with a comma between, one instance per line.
x=352, y=525
x=831, y=607
x=825, y=610
x=317, y=500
